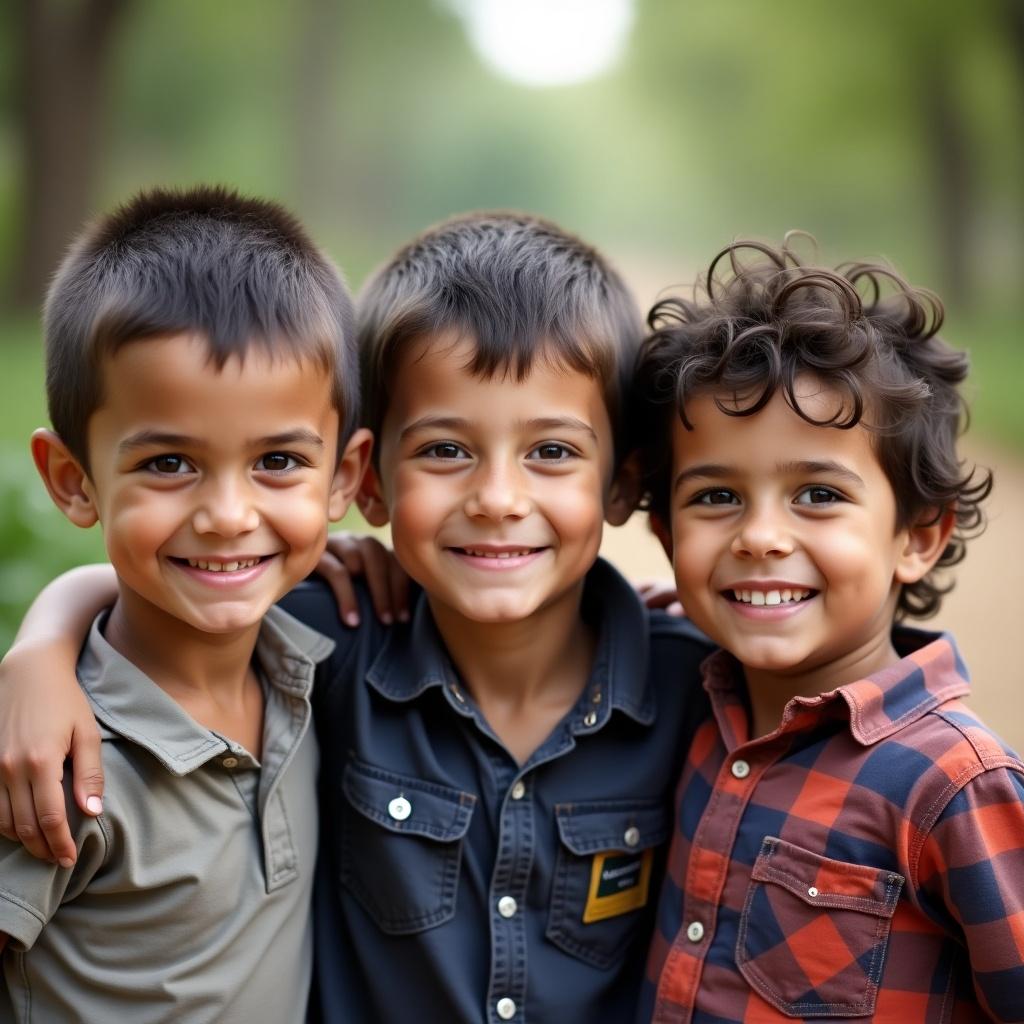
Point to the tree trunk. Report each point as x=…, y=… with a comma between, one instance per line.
x=64, y=54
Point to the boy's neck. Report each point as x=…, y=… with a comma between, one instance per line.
x=210, y=675
x=770, y=692
x=524, y=675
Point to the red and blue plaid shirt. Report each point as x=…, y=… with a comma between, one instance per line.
x=866, y=859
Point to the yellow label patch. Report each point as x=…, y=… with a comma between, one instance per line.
x=618, y=884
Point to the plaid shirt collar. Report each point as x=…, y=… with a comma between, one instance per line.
x=929, y=673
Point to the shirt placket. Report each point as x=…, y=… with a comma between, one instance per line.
x=516, y=849
x=738, y=776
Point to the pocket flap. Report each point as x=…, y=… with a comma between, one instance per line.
x=821, y=881
x=624, y=825
x=400, y=803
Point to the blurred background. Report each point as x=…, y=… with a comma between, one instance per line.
x=659, y=131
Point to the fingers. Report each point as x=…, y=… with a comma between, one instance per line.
x=337, y=577
x=351, y=555
x=6, y=815
x=87, y=767
x=399, y=588
x=661, y=594
x=374, y=561
x=27, y=828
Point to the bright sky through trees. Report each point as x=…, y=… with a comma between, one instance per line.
x=547, y=42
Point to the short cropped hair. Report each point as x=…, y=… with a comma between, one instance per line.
x=518, y=288
x=238, y=272
x=760, y=319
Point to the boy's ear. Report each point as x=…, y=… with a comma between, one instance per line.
x=371, y=498
x=624, y=492
x=923, y=546
x=349, y=473
x=65, y=480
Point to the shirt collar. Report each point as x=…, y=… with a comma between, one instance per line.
x=414, y=659
x=929, y=673
x=128, y=703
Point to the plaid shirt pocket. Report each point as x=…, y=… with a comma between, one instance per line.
x=813, y=932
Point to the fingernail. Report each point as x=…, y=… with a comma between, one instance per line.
x=386, y=618
x=403, y=616
x=94, y=805
x=351, y=618
x=66, y=862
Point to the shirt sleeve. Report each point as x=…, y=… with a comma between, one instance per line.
x=31, y=890
x=971, y=871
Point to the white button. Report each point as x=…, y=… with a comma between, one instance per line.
x=507, y=906
x=399, y=808
x=740, y=769
x=695, y=931
x=813, y=891
x=589, y=719
x=632, y=836
x=519, y=790
x=230, y=762
x=506, y=1008
x=457, y=694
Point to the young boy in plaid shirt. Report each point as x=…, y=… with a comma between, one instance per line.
x=850, y=837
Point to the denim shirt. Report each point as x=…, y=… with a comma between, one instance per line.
x=457, y=885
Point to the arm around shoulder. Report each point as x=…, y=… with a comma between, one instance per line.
x=44, y=716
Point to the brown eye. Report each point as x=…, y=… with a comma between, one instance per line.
x=168, y=465
x=551, y=451
x=817, y=496
x=716, y=496
x=276, y=462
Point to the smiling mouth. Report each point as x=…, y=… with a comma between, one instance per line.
x=770, y=598
x=482, y=553
x=221, y=566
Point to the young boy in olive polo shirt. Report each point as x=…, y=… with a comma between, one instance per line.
x=201, y=383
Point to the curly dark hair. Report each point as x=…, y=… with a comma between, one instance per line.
x=761, y=318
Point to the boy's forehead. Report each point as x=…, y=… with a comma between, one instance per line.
x=774, y=435
x=175, y=377
x=438, y=371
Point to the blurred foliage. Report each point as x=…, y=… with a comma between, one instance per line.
x=881, y=128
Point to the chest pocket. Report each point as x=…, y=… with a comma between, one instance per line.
x=401, y=847
x=814, y=931
x=605, y=877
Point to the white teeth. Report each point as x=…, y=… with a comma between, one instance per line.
x=496, y=554
x=201, y=563
x=759, y=598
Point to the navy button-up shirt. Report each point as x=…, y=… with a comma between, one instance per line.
x=457, y=885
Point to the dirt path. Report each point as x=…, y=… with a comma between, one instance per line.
x=983, y=611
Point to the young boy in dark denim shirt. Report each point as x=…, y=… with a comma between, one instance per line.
x=850, y=837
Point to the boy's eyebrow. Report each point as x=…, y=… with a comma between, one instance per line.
x=809, y=467
x=458, y=423
x=812, y=467
x=561, y=423
x=163, y=439
x=155, y=438
x=298, y=436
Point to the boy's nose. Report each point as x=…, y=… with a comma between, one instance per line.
x=498, y=494
x=762, y=534
x=226, y=509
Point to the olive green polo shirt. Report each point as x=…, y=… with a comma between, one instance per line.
x=190, y=900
